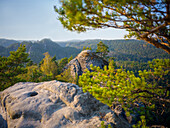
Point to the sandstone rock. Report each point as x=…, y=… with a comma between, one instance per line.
x=53, y=104
x=83, y=61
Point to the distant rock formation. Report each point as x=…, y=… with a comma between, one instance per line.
x=53, y=104
x=83, y=61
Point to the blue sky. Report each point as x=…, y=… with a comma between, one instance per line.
x=36, y=19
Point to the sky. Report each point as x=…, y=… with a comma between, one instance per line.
x=36, y=20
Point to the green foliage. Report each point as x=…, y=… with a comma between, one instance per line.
x=125, y=50
x=36, y=49
x=48, y=69
x=134, y=66
x=87, y=48
x=49, y=66
x=105, y=126
x=62, y=63
x=33, y=74
x=141, y=123
x=54, y=59
x=121, y=50
x=17, y=67
x=143, y=95
x=12, y=66
x=112, y=63
x=143, y=19
x=69, y=59
x=102, y=49
x=65, y=77
x=30, y=63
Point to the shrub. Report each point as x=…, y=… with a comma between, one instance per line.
x=146, y=96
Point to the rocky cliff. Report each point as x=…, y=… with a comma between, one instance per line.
x=83, y=61
x=53, y=104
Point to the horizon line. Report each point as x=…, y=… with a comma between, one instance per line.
x=61, y=40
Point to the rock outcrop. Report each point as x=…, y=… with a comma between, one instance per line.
x=83, y=61
x=53, y=104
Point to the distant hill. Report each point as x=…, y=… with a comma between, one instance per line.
x=7, y=42
x=37, y=49
x=122, y=50
x=3, y=51
x=132, y=50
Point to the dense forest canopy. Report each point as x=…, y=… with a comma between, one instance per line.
x=148, y=20
x=121, y=50
x=124, y=50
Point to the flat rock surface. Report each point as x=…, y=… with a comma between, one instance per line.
x=53, y=104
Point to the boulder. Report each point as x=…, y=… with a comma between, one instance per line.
x=83, y=61
x=53, y=104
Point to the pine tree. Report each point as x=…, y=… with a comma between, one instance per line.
x=148, y=20
x=12, y=66
x=102, y=49
x=62, y=63
x=146, y=95
x=33, y=74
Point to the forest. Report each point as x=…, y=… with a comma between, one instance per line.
x=146, y=84
x=136, y=79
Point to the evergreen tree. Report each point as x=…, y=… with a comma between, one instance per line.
x=62, y=63
x=112, y=63
x=54, y=58
x=12, y=66
x=102, y=49
x=30, y=63
x=33, y=74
